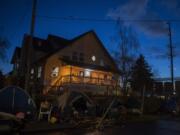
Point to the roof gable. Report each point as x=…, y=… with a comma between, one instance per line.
x=65, y=44
x=89, y=44
x=99, y=43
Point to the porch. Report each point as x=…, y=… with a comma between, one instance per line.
x=73, y=77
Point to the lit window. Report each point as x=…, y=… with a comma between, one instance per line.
x=55, y=72
x=87, y=73
x=17, y=65
x=93, y=58
x=39, y=72
x=81, y=73
x=32, y=71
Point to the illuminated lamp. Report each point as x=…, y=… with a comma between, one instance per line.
x=87, y=72
x=93, y=58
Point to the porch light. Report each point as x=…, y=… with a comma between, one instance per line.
x=87, y=72
x=55, y=72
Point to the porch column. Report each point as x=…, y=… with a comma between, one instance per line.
x=70, y=74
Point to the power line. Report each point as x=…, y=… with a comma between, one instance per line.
x=71, y=18
x=171, y=56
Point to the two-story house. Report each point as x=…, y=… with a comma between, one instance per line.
x=58, y=64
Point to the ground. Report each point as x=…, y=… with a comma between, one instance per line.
x=165, y=127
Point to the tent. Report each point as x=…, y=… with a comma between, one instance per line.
x=74, y=99
x=14, y=99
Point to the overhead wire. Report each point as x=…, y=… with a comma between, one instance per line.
x=71, y=18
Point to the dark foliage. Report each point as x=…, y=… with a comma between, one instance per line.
x=141, y=77
x=2, y=79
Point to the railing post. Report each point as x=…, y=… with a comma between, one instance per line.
x=70, y=73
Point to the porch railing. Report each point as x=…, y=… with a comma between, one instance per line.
x=87, y=80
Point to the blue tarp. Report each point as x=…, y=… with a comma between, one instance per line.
x=14, y=99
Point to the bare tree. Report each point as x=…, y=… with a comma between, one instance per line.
x=126, y=52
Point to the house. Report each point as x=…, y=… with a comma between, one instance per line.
x=58, y=64
x=163, y=87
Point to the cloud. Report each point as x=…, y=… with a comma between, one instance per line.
x=140, y=10
x=133, y=8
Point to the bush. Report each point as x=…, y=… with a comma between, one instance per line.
x=132, y=102
x=152, y=105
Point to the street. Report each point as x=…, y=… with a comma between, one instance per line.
x=150, y=128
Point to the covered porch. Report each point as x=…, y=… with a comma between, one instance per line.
x=84, y=76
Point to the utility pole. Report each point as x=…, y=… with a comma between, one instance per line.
x=30, y=45
x=171, y=55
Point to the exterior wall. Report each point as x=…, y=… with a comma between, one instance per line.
x=163, y=87
x=89, y=46
x=51, y=62
x=79, y=75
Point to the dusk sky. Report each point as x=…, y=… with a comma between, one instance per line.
x=15, y=17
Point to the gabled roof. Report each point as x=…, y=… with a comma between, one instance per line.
x=67, y=43
x=48, y=45
x=54, y=44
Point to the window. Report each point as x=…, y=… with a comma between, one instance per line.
x=39, y=72
x=17, y=65
x=81, y=57
x=93, y=58
x=102, y=62
x=74, y=56
x=32, y=71
x=87, y=73
x=81, y=73
x=55, y=72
